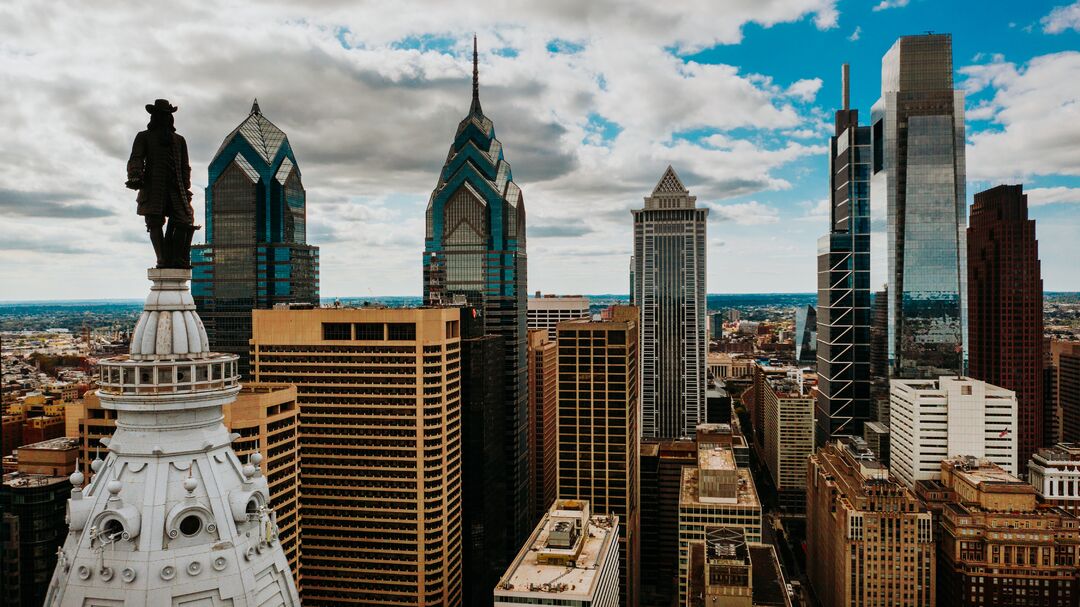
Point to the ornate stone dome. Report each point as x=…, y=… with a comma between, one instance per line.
x=171, y=516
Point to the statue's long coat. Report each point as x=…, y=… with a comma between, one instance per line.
x=164, y=174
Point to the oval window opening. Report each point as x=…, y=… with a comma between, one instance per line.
x=253, y=507
x=113, y=529
x=190, y=525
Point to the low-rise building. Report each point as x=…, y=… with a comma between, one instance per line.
x=547, y=311
x=571, y=559
x=726, y=571
x=932, y=420
x=999, y=546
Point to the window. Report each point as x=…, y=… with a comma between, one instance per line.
x=402, y=331
x=336, y=331
x=370, y=331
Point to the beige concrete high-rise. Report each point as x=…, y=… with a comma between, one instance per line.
x=543, y=431
x=870, y=538
x=789, y=434
x=380, y=433
x=598, y=428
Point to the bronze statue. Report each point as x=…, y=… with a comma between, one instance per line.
x=159, y=170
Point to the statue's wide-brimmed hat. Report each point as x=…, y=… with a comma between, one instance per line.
x=160, y=105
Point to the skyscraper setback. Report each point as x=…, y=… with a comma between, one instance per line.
x=918, y=180
x=843, y=312
x=474, y=249
x=256, y=252
x=669, y=289
x=1005, y=307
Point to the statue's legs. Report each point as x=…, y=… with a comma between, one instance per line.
x=178, y=243
x=154, y=224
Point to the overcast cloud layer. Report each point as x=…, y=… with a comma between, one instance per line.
x=592, y=100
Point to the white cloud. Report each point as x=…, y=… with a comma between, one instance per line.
x=1034, y=117
x=1062, y=18
x=887, y=4
x=855, y=35
x=1042, y=196
x=805, y=90
x=745, y=213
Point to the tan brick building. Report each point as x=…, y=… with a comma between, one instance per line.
x=379, y=392
x=869, y=537
x=543, y=429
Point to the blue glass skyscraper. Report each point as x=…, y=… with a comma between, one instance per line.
x=474, y=254
x=256, y=252
x=918, y=181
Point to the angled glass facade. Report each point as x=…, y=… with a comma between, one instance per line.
x=669, y=289
x=918, y=179
x=843, y=312
x=474, y=253
x=256, y=252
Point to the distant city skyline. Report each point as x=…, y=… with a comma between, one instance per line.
x=581, y=95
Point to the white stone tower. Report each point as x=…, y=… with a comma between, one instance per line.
x=171, y=517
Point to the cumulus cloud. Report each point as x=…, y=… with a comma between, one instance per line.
x=1034, y=117
x=745, y=213
x=1041, y=196
x=887, y=4
x=1062, y=18
x=370, y=106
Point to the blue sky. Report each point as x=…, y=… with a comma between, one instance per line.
x=591, y=101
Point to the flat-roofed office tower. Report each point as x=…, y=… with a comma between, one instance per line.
x=918, y=181
x=256, y=252
x=669, y=289
x=546, y=311
x=379, y=392
x=1005, y=307
x=474, y=248
x=843, y=310
x=598, y=431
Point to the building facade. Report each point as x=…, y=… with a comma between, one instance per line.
x=1005, y=307
x=662, y=461
x=843, y=282
x=806, y=335
x=789, y=435
x=598, y=428
x=379, y=392
x=669, y=289
x=1055, y=474
x=474, y=250
x=543, y=408
x=870, y=537
x=936, y=419
x=918, y=180
x=571, y=559
x=999, y=546
x=1066, y=358
x=256, y=253
x=33, y=504
x=547, y=311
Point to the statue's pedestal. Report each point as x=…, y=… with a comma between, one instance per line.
x=169, y=326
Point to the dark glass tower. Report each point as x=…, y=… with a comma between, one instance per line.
x=843, y=312
x=918, y=179
x=1005, y=307
x=256, y=252
x=475, y=252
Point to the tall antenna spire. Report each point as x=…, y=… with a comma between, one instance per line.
x=475, y=108
x=255, y=107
